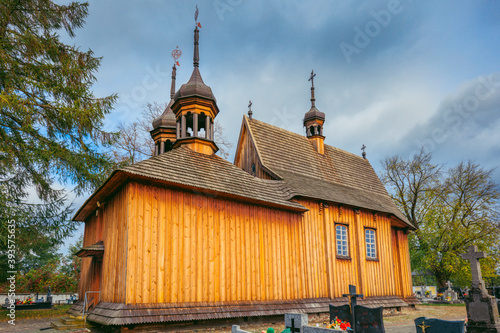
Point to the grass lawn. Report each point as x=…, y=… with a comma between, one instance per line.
x=56, y=311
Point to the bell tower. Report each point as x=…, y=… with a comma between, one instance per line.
x=313, y=122
x=195, y=109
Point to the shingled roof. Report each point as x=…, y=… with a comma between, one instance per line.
x=337, y=176
x=204, y=174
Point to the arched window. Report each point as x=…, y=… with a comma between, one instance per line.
x=341, y=237
x=371, y=245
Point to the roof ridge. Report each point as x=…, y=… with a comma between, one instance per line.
x=277, y=127
x=347, y=152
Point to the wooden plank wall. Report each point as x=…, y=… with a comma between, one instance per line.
x=92, y=234
x=388, y=275
x=107, y=275
x=402, y=265
x=114, y=215
x=247, y=155
x=378, y=275
x=185, y=247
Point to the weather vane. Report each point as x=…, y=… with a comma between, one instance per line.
x=176, y=55
x=198, y=24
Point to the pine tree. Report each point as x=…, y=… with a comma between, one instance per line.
x=50, y=121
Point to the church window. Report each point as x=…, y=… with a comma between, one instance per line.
x=371, y=252
x=253, y=168
x=341, y=237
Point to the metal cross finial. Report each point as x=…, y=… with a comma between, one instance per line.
x=312, y=88
x=250, y=113
x=473, y=256
x=196, y=14
x=363, y=147
x=312, y=78
x=423, y=326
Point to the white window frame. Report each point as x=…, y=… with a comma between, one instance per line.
x=342, y=243
x=371, y=243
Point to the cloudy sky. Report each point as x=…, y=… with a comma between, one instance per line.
x=393, y=75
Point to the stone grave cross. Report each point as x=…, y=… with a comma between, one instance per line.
x=450, y=292
x=482, y=310
x=473, y=256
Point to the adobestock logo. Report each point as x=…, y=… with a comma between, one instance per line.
x=363, y=37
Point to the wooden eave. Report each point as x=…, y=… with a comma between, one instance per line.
x=119, y=177
x=94, y=250
x=114, y=181
x=211, y=193
x=395, y=221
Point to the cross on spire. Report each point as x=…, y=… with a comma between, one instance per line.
x=312, y=78
x=250, y=113
x=363, y=147
x=312, y=88
x=473, y=256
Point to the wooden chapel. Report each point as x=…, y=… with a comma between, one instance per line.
x=187, y=235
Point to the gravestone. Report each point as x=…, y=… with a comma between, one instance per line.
x=425, y=325
x=482, y=311
x=368, y=320
x=237, y=329
x=342, y=312
x=423, y=290
x=450, y=292
x=295, y=322
x=49, y=296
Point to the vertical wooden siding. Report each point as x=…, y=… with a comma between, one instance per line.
x=388, y=275
x=92, y=234
x=114, y=239
x=247, y=155
x=109, y=227
x=402, y=267
x=186, y=247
